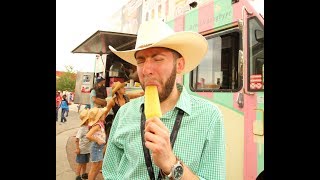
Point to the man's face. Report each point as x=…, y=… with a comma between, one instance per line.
x=157, y=66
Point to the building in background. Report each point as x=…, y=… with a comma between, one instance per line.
x=127, y=19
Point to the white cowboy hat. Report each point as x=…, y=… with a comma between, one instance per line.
x=155, y=33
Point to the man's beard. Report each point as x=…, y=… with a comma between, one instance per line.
x=169, y=84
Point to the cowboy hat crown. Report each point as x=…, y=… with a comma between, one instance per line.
x=84, y=116
x=95, y=113
x=155, y=33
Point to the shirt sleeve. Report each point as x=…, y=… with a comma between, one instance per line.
x=113, y=156
x=79, y=133
x=92, y=93
x=213, y=161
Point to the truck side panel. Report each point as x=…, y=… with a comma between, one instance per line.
x=84, y=83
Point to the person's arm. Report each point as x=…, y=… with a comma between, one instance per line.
x=90, y=136
x=78, y=136
x=114, y=153
x=135, y=95
x=77, y=151
x=110, y=105
x=97, y=100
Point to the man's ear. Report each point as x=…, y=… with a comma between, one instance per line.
x=180, y=65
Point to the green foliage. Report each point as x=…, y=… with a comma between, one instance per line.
x=67, y=81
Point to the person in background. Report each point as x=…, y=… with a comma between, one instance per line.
x=79, y=106
x=97, y=135
x=187, y=141
x=98, y=93
x=82, y=146
x=58, y=101
x=87, y=106
x=71, y=97
x=119, y=98
x=67, y=94
x=64, y=108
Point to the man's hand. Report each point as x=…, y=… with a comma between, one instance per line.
x=157, y=137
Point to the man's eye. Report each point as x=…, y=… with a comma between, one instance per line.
x=140, y=61
x=158, y=59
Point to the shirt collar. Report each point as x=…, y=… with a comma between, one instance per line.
x=184, y=102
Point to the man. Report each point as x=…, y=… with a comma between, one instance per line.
x=98, y=93
x=143, y=151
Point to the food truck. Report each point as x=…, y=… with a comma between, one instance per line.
x=231, y=75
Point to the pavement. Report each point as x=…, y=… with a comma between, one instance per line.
x=65, y=145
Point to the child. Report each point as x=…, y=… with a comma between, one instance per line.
x=64, y=108
x=82, y=146
x=98, y=136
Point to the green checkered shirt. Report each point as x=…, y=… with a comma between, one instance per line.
x=200, y=142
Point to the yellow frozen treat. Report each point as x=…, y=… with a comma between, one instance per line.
x=151, y=102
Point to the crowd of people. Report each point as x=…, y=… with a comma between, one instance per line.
x=186, y=142
x=95, y=125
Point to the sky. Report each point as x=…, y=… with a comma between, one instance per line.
x=77, y=20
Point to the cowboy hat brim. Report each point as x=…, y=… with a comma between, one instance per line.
x=98, y=116
x=120, y=85
x=191, y=45
x=84, y=120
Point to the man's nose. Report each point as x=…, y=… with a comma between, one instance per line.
x=148, y=66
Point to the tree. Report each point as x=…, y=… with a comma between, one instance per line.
x=67, y=81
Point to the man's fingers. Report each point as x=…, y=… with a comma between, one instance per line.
x=158, y=122
x=154, y=143
x=157, y=130
x=148, y=136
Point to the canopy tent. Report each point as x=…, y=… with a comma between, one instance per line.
x=98, y=42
